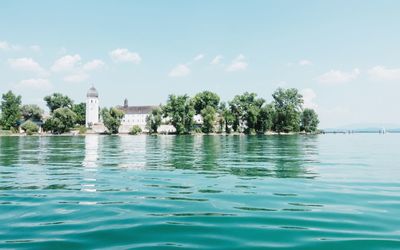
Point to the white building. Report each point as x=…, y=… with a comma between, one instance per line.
x=92, y=107
x=134, y=115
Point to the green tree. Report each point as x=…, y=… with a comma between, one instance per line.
x=62, y=120
x=208, y=115
x=205, y=99
x=180, y=111
x=251, y=118
x=309, y=120
x=10, y=111
x=226, y=118
x=112, y=119
x=288, y=105
x=30, y=127
x=153, y=120
x=32, y=112
x=58, y=100
x=245, y=109
x=80, y=111
x=135, y=130
x=265, y=119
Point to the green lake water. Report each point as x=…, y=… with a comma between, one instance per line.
x=200, y=192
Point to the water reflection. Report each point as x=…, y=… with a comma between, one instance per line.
x=9, y=155
x=90, y=163
x=245, y=156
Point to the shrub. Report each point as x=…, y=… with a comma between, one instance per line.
x=82, y=130
x=30, y=127
x=135, y=130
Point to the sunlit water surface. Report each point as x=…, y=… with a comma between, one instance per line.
x=200, y=192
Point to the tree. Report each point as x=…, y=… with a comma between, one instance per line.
x=205, y=99
x=10, y=111
x=30, y=127
x=80, y=111
x=58, y=100
x=288, y=106
x=153, y=120
x=226, y=118
x=265, y=119
x=251, y=118
x=180, y=111
x=32, y=112
x=309, y=120
x=208, y=114
x=245, y=109
x=112, y=119
x=62, y=120
x=135, y=130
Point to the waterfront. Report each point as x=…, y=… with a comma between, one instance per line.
x=200, y=192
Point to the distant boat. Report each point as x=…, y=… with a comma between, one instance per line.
x=382, y=131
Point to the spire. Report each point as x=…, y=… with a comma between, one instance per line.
x=126, y=103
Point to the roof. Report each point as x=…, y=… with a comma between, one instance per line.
x=136, y=109
x=92, y=92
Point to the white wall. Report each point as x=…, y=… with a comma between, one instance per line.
x=92, y=111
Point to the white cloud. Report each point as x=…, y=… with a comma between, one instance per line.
x=304, y=62
x=26, y=64
x=383, y=73
x=239, y=63
x=198, y=57
x=338, y=77
x=35, y=48
x=217, y=60
x=124, y=55
x=42, y=84
x=77, y=77
x=6, y=46
x=93, y=65
x=180, y=71
x=66, y=63
x=308, y=96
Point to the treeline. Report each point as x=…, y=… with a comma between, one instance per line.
x=246, y=113
x=64, y=114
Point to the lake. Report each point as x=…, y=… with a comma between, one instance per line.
x=200, y=192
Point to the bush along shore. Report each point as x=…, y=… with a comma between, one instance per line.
x=244, y=114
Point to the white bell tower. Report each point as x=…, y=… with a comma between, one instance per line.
x=92, y=107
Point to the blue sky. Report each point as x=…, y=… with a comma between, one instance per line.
x=343, y=55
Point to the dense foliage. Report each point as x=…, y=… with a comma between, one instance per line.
x=288, y=105
x=135, y=130
x=112, y=119
x=62, y=120
x=180, y=110
x=30, y=127
x=32, y=112
x=80, y=111
x=58, y=100
x=10, y=111
x=153, y=120
x=309, y=120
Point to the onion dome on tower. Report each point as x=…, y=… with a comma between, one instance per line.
x=92, y=92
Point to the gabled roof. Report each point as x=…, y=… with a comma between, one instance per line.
x=136, y=109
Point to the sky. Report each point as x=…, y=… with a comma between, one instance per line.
x=343, y=56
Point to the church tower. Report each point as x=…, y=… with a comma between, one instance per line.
x=92, y=107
